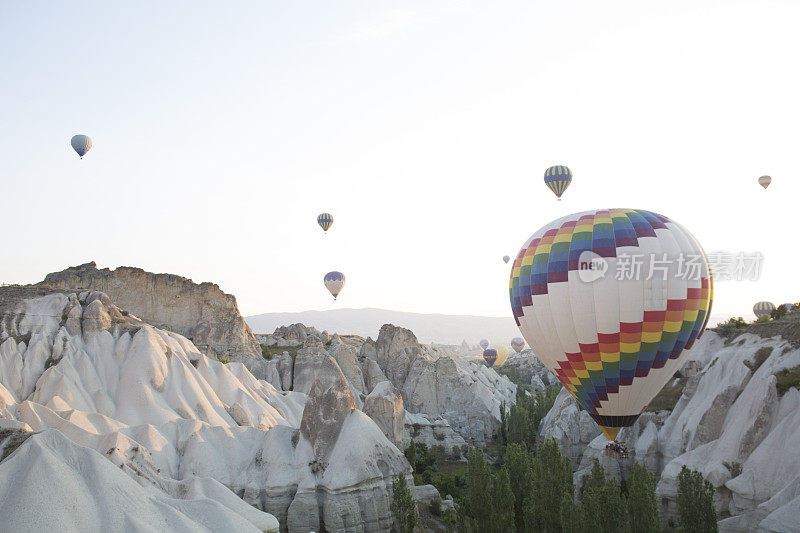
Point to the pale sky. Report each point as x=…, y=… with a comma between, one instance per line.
x=220, y=132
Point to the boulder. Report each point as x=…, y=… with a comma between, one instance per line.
x=433, y=432
x=396, y=350
x=385, y=406
x=347, y=358
x=326, y=410
x=571, y=427
x=425, y=494
x=372, y=374
x=312, y=364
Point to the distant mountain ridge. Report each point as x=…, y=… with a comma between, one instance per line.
x=435, y=327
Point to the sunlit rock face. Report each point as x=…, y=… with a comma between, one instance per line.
x=438, y=383
x=146, y=402
x=200, y=312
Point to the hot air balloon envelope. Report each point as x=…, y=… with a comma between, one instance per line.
x=764, y=181
x=81, y=144
x=484, y=343
x=763, y=309
x=518, y=343
x=502, y=355
x=506, y=259
x=334, y=282
x=557, y=178
x=490, y=356
x=613, y=335
x=325, y=220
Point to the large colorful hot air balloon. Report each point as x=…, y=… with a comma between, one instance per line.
x=506, y=259
x=763, y=309
x=557, y=178
x=502, y=355
x=764, y=181
x=484, y=343
x=334, y=282
x=611, y=301
x=325, y=220
x=518, y=343
x=81, y=144
x=490, y=356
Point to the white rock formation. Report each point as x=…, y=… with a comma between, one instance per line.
x=570, y=426
x=178, y=422
x=385, y=406
x=49, y=483
x=436, y=383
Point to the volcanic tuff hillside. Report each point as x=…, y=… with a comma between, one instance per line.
x=206, y=441
x=181, y=425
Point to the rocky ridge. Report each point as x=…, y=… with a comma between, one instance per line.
x=200, y=312
x=183, y=426
x=442, y=398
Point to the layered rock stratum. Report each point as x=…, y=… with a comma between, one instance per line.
x=201, y=312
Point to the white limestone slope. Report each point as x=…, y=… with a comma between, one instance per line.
x=731, y=425
x=184, y=426
x=52, y=484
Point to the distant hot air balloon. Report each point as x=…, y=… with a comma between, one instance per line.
x=490, y=356
x=557, y=178
x=334, y=282
x=81, y=144
x=518, y=343
x=325, y=220
x=502, y=355
x=764, y=181
x=506, y=259
x=763, y=309
x=484, y=343
x=613, y=340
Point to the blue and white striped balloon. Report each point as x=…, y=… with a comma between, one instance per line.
x=325, y=220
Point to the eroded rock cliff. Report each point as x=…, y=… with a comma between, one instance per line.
x=200, y=312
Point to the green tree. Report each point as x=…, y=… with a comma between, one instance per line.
x=502, y=502
x=642, y=506
x=502, y=438
x=403, y=507
x=518, y=462
x=421, y=459
x=552, y=477
x=570, y=517
x=603, y=508
x=696, y=502
x=519, y=426
x=479, y=485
